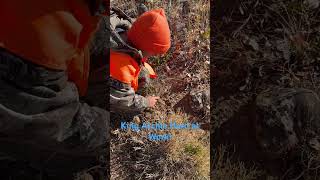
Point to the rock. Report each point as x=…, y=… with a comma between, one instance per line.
x=136, y=140
x=315, y=144
x=141, y=9
x=252, y=42
x=85, y=176
x=268, y=44
x=136, y=120
x=283, y=46
x=313, y=4
x=287, y=118
x=199, y=100
x=185, y=7
x=195, y=102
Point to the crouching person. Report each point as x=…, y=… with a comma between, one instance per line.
x=44, y=67
x=150, y=35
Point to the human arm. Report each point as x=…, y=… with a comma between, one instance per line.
x=124, y=99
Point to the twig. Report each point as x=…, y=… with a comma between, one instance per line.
x=300, y=175
x=284, y=20
x=284, y=175
x=236, y=32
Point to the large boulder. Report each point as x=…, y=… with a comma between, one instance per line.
x=195, y=102
x=287, y=119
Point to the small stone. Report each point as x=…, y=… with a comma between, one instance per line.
x=283, y=46
x=134, y=139
x=137, y=148
x=136, y=120
x=315, y=144
x=115, y=132
x=196, y=100
x=252, y=42
x=85, y=176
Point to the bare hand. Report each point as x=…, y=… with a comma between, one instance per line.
x=152, y=100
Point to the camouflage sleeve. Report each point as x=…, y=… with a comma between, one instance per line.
x=124, y=99
x=117, y=22
x=144, y=81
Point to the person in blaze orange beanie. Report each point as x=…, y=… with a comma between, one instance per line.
x=150, y=34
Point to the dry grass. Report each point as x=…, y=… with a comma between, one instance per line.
x=307, y=165
x=193, y=145
x=224, y=167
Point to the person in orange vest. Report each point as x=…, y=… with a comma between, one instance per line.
x=44, y=68
x=150, y=34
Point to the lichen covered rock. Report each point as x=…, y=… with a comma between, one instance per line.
x=287, y=118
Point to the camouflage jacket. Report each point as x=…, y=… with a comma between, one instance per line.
x=124, y=99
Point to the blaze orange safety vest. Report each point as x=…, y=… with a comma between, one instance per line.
x=125, y=69
x=53, y=34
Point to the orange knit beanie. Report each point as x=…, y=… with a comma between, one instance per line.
x=150, y=32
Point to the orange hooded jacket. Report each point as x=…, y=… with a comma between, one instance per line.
x=149, y=33
x=53, y=34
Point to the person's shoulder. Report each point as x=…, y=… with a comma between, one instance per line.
x=120, y=57
x=122, y=66
x=123, y=61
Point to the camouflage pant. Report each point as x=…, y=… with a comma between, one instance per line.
x=43, y=122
